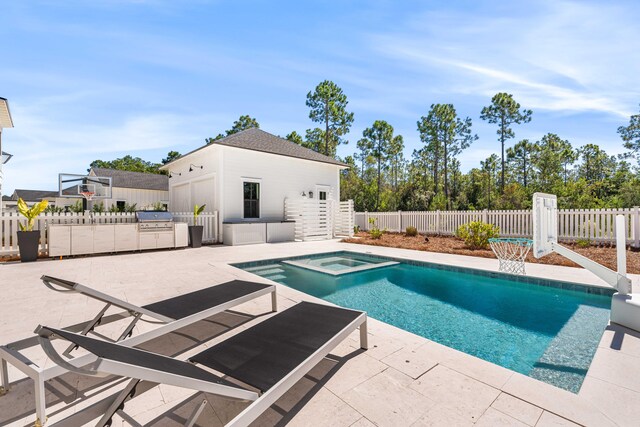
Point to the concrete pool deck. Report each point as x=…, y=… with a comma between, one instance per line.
x=401, y=380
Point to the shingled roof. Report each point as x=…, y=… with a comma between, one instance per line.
x=33, y=195
x=138, y=180
x=258, y=140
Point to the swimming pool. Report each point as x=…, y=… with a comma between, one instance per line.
x=544, y=329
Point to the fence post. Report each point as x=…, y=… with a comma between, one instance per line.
x=366, y=220
x=485, y=216
x=636, y=226
x=400, y=221
x=353, y=218
x=437, y=222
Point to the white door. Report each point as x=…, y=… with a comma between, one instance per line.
x=323, y=196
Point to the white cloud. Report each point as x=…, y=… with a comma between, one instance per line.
x=43, y=147
x=558, y=56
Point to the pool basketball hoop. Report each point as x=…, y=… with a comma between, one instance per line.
x=87, y=191
x=88, y=187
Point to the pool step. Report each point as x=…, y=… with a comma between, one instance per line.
x=265, y=269
x=569, y=363
x=276, y=277
x=272, y=272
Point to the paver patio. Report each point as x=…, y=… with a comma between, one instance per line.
x=401, y=380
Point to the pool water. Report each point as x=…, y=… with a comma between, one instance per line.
x=545, y=332
x=338, y=264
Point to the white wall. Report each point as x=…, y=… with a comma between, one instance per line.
x=142, y=198
x=200, y=186
x=219, y=183
x=279, y=177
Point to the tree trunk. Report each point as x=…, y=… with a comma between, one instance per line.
x=502, y=126
x=378, y=192
x=446, y=178
x=326, y=128
x=524, y=169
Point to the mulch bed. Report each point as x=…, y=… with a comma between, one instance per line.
x=605, y=255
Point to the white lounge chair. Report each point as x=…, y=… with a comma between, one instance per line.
x=172, y=314
x=270, y=357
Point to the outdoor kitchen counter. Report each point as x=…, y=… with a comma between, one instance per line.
x=253, y=231
x=85, y=239
x=256, y=221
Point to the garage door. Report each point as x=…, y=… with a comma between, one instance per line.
x=180, y=198
x=203, y=192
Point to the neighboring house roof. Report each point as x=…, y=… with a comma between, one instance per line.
x=258, y=140
x=6, y=198
x=33, y=195
x=138, y=180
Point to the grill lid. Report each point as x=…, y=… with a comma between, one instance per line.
x=154, y=216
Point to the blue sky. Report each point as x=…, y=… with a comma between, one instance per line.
x=102, y=79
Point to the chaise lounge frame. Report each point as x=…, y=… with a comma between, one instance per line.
x=10, y=353
x=145, y=372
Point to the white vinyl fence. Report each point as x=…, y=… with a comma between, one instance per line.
x=319, y=219
x=343, y=219
x=9, y=225
x=209, y=220
x=597, y=225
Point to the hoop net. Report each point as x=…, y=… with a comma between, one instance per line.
x=87, y=194
x=511, y=253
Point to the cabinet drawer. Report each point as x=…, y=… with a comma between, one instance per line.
x=165, y=239
x=147, y=241
x=104, y=238
x=59, y=240
x=126, y=237
x=81, y=240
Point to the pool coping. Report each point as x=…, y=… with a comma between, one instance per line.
x=380, y=377
x=340, y=272
x=592, y=408
x=534, y=280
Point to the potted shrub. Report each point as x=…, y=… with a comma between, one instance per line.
x=195, y=231
x=28, y=239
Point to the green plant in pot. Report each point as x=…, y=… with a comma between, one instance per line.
x=28, y=239
x=195, y=231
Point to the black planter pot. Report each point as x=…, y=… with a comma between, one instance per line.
x=28, y=242
x=195, y=235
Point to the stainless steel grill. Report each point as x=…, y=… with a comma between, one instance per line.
x=154, y=221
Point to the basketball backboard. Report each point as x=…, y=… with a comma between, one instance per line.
x=545, y=223
x=87, y=186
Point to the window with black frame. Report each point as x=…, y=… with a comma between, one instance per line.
x=251, y=191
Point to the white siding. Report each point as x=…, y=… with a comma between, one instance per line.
x=142, y=198
x=219, y=182
x=199, y=186
x=279, y=176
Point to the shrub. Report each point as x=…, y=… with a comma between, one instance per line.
x=583, y=243
x=52, y=209
x=76, y=207
x=476, y=234
x=376, y=233
x=159, y=206
x=356, y=229
x=411, y=231
x=98, y=207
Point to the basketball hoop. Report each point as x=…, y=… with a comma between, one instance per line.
x=87, y=195
x=511, y=253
